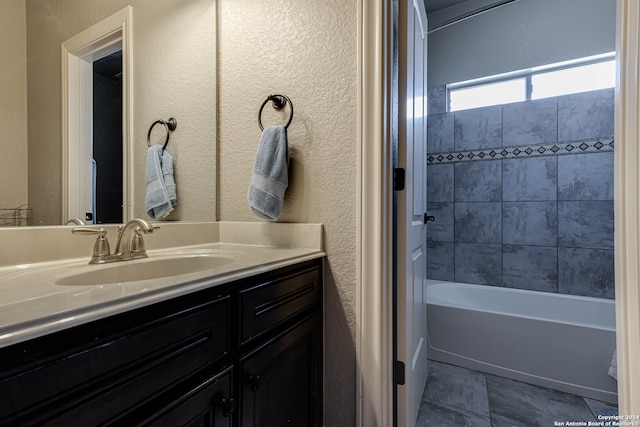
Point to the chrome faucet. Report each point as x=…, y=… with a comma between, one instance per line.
x=76, y=221
x=131, y=235
x=130, y=244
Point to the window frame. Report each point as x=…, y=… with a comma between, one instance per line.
x=527, y=74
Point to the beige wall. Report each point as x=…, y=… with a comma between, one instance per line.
x=174, y=75
x=13, y=105
x=306, y=50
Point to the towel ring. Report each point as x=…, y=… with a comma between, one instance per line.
x=278, y=101
x=169, y=126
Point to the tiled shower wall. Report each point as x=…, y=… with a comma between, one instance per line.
x=523, y=194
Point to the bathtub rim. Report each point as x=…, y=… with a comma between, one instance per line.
x=429, y=283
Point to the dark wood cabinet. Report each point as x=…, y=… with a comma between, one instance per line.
x=207, y=403
x=280, y=380
x=248, y=353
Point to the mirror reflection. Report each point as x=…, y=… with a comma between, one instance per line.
x=172, y=75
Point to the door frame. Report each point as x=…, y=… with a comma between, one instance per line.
x=374, y=395
x=626, y=202
x=77, y=56
x=374, y=334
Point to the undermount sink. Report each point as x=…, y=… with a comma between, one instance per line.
x=131, y=271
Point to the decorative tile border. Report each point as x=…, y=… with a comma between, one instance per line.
x=525, y=151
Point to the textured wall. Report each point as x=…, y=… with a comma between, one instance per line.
x=173, y=75
x=306, y=50
x=538, y=218
x=13, y=105
x=520, y=35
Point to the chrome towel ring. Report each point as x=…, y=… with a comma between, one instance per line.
x=169, y=126
x=278, y=101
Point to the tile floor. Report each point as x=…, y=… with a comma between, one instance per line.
x=459, y=397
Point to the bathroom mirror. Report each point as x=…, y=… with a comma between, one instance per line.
x=173, y=75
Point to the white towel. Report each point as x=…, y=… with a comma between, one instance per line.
x=269, y=180
x=161, y=187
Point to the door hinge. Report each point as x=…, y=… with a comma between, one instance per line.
x=398, y=179
x=398, y=372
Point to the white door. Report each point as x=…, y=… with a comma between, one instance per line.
x=412, y=267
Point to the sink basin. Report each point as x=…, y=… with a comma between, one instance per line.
x=131, y=271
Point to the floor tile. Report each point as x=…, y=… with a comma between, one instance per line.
x=432, y=415
x=459, y=397
x=528, y=405
x=601, y=408
x=457, y=388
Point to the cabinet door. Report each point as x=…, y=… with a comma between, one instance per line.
x=281, y=383
x=208, y=403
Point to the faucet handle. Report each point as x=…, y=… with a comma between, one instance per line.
x=137, y=242
x=101, y=248
x=101, y=232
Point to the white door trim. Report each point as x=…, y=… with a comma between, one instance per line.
x=78, y=53
x=374, y=244
x=627, y=202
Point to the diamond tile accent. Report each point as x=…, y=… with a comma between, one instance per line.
x=539, y=150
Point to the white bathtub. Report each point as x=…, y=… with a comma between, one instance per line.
x=558, y=341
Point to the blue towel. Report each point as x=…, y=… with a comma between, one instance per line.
x=161, y=186
x=270, y=174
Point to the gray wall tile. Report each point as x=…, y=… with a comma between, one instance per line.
x=479, y=222
x=534, y=179
x=440, y=183
x=478, y=181
x=440, y=261
x=440, y=133
x=437, y=99
x=586, y=224
x=530, y=122
x=588, y=272
x=440, y=230
x=479, y=264
x=530, y=223
x=585, y=115
x=585, y=177
x=478, y=128
x=534, y=206
x=530, y=267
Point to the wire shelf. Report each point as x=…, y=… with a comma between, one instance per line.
x=12, y=217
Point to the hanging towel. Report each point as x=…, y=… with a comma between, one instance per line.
x=161, y=187
x=613, y=368
x=94, y=195
x=270, y=174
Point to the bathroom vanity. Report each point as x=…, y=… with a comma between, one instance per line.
x=233, y=346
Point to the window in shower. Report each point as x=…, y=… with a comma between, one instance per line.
x=579, y=75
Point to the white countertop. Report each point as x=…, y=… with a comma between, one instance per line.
x=32, y=304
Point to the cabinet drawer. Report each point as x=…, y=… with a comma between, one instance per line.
x=271, y=303
x=117, y=368
x=204, y=403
